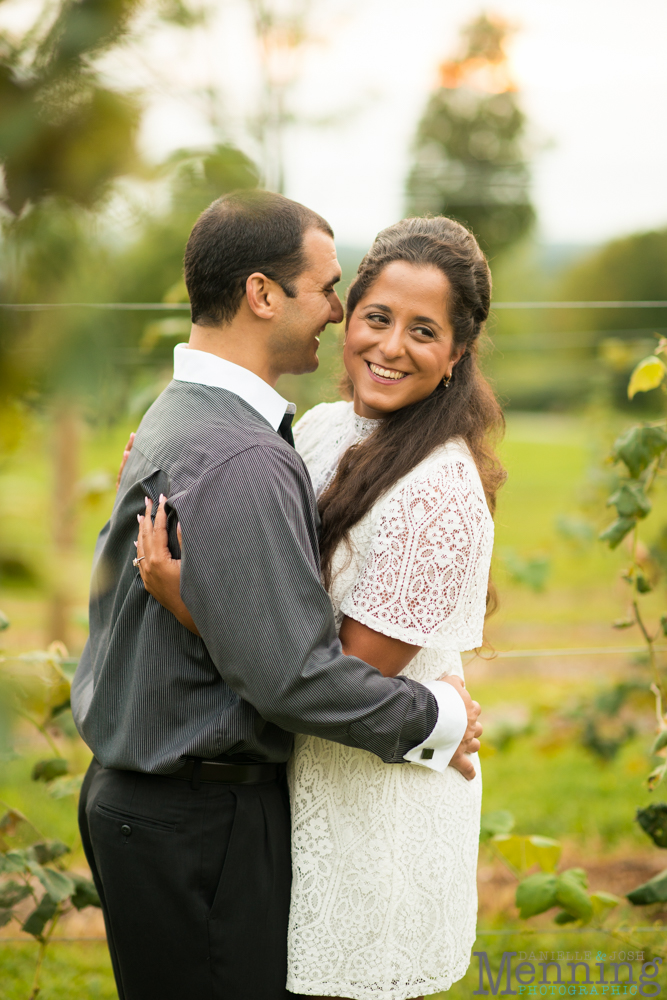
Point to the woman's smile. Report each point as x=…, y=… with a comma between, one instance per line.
x=384, y=375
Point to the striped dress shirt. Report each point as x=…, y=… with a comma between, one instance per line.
x=267, y=663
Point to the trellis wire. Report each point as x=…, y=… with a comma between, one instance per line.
x=147, y=306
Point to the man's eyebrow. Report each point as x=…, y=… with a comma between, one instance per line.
x=334, y=281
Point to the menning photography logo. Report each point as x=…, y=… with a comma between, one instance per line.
x=544, y=974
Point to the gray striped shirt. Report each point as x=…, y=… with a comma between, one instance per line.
x=267, y=663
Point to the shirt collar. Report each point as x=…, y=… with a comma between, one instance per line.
x=209, y=369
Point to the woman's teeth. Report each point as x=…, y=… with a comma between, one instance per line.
x=386, y=372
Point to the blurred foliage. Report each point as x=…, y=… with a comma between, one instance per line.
x=470, y=151
x=36, y=886
x=62, y=131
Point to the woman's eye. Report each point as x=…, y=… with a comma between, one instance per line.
x=424, y=331
x=377, y=318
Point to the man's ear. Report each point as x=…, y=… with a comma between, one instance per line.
x=263, y=295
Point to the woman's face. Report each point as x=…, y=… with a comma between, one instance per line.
x=399, y=342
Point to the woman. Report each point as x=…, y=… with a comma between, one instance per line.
x=384, y=857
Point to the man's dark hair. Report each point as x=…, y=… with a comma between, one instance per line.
x=239, y=234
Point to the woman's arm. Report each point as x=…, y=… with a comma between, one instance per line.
x=387, y=655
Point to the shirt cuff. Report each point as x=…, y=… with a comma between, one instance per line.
x=438, y=749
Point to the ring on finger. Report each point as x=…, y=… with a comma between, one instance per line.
x=135, y=562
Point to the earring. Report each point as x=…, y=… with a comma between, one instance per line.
x=446, y=380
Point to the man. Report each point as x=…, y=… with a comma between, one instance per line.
x=183, y=812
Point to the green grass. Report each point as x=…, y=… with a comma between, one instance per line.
x=70, y=970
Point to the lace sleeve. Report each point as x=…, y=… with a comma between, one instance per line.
x=425, y=577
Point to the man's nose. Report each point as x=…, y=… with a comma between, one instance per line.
x=336, y=310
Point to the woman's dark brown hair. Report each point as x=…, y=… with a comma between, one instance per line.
x=467, y=408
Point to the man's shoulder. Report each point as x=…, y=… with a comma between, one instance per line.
x=192, y=428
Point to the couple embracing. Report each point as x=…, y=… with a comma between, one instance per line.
x=284, y=797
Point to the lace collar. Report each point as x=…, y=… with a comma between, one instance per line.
x=364, y=426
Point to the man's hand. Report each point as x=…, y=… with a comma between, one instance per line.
x=470, y=742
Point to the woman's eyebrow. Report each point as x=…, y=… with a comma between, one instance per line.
x=427, y=319
x=378, y=305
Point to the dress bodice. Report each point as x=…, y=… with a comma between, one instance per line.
x=416, y=566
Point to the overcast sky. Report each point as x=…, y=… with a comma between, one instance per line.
x=592, y=76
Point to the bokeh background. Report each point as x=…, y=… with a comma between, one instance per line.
x=540, y=126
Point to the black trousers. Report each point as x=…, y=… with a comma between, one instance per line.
x=194, y=884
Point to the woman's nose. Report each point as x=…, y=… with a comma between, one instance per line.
x=393, y=345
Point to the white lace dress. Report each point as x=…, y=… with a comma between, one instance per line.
x=384, y=898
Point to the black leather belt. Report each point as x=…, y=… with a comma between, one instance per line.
x=236, y=774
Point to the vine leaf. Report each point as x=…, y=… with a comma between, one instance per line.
x=40, y=916
x=617, y=531
x=536, y=894
x=653, y=820
x=653, y=891
x=630, y=499
x=647, y=375
x=638, y=446
x=572, y=896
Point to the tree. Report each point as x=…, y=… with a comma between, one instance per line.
x=469, y=151
x=65, y=136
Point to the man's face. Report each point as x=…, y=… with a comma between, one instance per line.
x=296, y=338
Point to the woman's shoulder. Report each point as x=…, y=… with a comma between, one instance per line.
x=449, y=469
x=319, y=421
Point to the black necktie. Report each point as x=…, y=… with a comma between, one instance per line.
x=285, y=429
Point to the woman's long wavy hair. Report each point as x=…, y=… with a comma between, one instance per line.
x=467, y=408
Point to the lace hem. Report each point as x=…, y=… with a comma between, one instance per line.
x=397, y=991
x=443, y=642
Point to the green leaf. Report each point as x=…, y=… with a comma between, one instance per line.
x=12, y=893
x=60, y=788
x=564, y=918
x=578, y=875
x=572, y=895
x=545, y=851
x=536, y=894
x=14, y=861
x=663, y=624
x=40, y=917
x=47, y=851
x=653, y=891
x=617, y=531
x=85, y=893
x=500, y=821
x=603, y=901
x=58, y=885
x=5, y=917
x=648, y=374
x=4, y=621
x=642, y=584
x=47, y=770
x=521, y=853
x=660, y=742
x=653, y=819
x=630, y=499
x=638, y=446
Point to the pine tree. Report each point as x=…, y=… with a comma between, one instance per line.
x=469, y=155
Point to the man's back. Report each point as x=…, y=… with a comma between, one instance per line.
x=147, y=691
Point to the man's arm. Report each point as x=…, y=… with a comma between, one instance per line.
x=250, y=579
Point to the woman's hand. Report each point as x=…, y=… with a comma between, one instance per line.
x=126, y=455
x=160, y=573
